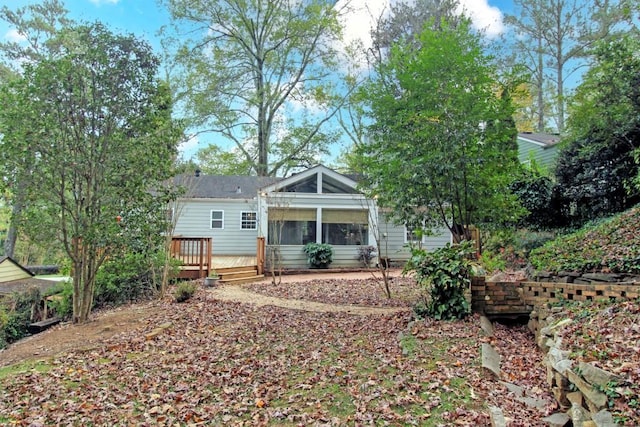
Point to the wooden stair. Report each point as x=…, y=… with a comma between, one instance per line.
x=238, y=275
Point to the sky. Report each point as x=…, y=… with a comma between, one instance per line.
x=144, y=18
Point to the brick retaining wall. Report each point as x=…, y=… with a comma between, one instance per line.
x=519, y=298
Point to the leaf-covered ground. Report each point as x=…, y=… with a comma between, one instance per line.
x=608, y=335
x=216, y=362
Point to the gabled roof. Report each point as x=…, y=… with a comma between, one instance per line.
x=307, y=174
x=10, y=260
x=222, y=186
x=542, y=139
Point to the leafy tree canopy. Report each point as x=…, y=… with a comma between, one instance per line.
x=596, y=169
x=442, y=145
x=95, y=124
x=259, y=73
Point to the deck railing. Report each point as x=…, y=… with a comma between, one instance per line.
x=195, y=255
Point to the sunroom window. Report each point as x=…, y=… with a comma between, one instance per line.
x=291, y=226
x=345, y=227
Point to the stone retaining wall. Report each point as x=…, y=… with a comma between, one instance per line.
x=580, y=396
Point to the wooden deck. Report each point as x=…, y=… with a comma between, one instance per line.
x=198, y=261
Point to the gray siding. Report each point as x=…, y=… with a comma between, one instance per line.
x=394, y=246
x=194, y=220
x=544, y=156
x=293, y=257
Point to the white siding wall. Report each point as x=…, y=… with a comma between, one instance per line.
x=194, y=220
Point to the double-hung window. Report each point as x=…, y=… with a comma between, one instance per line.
x=248, y=220
x=217, y=220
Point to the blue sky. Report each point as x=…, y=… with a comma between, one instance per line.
x=144, y=18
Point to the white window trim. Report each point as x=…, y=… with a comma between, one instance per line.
x=211, y=219
x=255, y=221
x=406, y=241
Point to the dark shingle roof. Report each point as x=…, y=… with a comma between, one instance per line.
x=223, y=186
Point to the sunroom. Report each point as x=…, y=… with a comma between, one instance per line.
x=318, y=205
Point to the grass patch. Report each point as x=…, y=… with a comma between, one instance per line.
x=40, y=366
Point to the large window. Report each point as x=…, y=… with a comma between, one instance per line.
x=292, y=226
x=249, y=221
x=217, y=219
x=345, y=227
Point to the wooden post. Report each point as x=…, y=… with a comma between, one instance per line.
x=260, y=255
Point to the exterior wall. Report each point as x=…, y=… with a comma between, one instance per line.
x=9, y=271
x=394, y=246
x=294, y=258
x=194, y=220
x=545, y=156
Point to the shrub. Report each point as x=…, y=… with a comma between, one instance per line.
x=366, y=254
x=125, y=278
x=319, y=255
x=184, y=291
x=445, y=274
x=63, y=304
x=15, y=315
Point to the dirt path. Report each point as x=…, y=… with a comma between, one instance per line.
x=239, y=294
x=103, y=325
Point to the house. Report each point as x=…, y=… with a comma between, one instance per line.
x=539, y=147
x=316, y=205
x=10, y=270
x=16, y=278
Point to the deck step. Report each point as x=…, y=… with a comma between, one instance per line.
x=241, y=280
x=239, y=274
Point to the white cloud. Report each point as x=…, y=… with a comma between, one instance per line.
x=14, y=35
x=484, y=17
x=189, y=147
x=363, y=13
x=101, y=2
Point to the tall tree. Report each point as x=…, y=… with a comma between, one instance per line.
x=442, y=143
x=36, y=24
x=554, y=38
x=596, y=169
x=258, y=72
x=95, y=121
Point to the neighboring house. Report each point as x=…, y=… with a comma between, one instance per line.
x=317, y=205
x=16, y=278
x=10, y=270
x=539, y=147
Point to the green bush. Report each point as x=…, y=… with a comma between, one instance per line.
x=446, y=275
x=319, y=255
x=63, y=304
x=128, y=277
x=15, y=315
x=509, y=250
x=184, y=291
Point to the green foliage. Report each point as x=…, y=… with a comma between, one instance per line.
x=107, y=156
x=446, y=275
x=537, y=194
x=509, y=250
x=128, y=277
x=596, y=170
x=427, y=147
x=184, y=291
x=610, y=245
x=319, y=255
x=62, y=305
x=258, y=56
x=16, y=314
